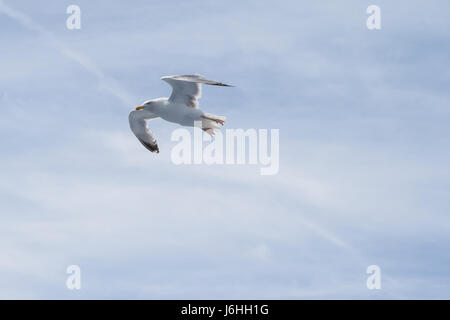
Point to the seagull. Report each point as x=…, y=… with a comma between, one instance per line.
x=181, y=107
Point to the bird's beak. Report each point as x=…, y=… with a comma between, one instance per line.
x=139, y=107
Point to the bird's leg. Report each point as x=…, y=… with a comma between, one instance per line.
x=220, y=121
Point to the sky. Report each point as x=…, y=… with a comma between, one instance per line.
x=364, y=151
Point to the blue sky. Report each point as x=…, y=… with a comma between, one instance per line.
x=364, y=151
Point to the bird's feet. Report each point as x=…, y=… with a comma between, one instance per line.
x=216, y=120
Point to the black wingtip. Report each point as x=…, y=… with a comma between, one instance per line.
x=224, y=85
x=153, y=148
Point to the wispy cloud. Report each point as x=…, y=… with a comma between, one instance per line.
x=107, y=83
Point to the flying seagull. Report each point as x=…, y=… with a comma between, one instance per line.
x=181, y=107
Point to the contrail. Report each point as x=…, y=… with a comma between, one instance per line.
x=326, y=234
x=106, y=82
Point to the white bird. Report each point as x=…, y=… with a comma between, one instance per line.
x=181, y=107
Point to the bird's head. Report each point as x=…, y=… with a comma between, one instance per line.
x=145, y=105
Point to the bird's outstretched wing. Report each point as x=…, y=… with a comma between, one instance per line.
x=138, y=124
x=186, y=89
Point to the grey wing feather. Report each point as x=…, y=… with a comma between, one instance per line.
x=186, y=89
x=196, y=78
x=138, y=124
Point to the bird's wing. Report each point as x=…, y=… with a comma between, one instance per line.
x=187, y=89
x=138, y=124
